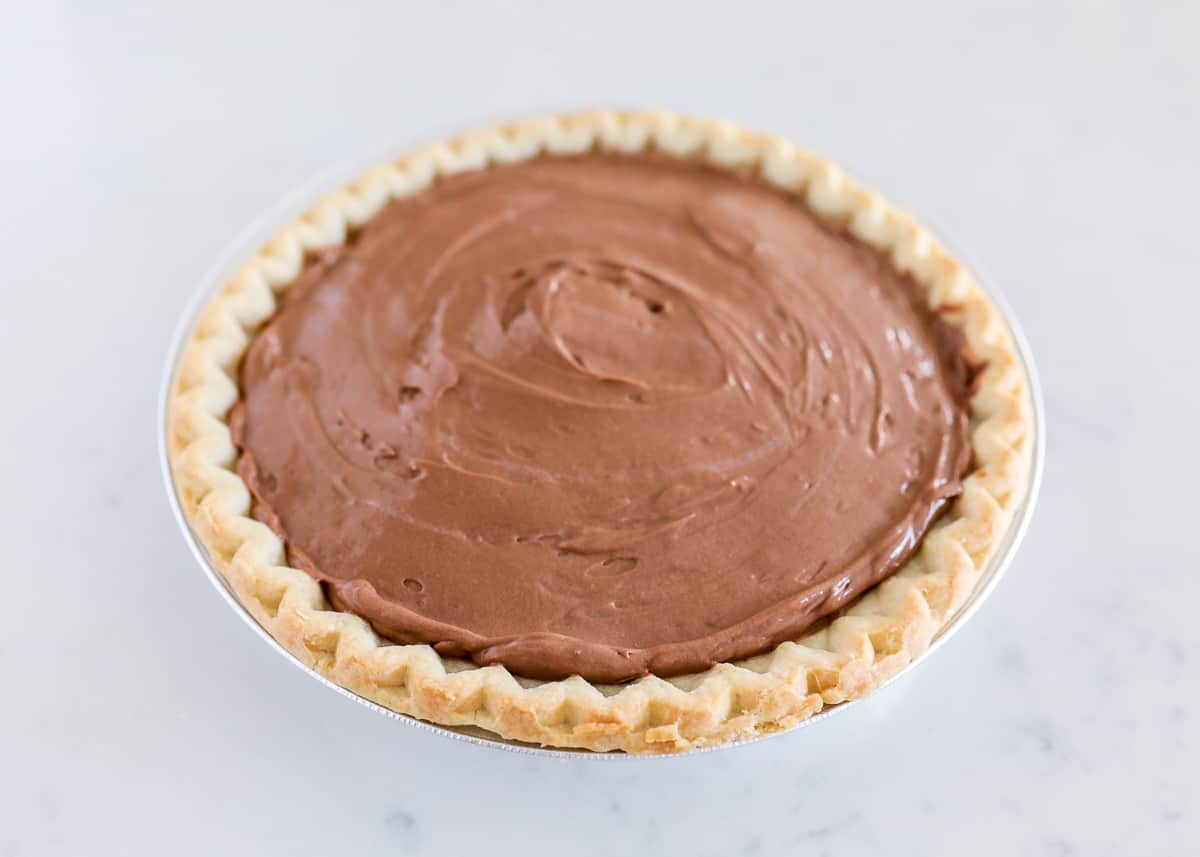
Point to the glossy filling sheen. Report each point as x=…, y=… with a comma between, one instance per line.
x=603, y=415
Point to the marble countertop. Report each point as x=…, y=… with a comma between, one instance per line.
x=1057, y=143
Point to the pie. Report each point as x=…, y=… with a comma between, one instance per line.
x=615, y=431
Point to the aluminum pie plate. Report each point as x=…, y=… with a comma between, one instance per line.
x=254, y=236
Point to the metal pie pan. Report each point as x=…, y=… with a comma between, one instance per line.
x=299, y=200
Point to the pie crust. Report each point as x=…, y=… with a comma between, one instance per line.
x=881, y=633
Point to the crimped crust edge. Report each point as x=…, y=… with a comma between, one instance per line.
x=881, y=633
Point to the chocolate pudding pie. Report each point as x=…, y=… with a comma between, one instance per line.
x=610, y=431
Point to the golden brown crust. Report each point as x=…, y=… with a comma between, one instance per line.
x=879, y=635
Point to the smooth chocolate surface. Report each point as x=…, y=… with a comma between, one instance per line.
x=605, y=415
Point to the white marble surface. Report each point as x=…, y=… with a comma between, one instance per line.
x=1057, y=141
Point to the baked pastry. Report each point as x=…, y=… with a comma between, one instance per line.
x=617, y=431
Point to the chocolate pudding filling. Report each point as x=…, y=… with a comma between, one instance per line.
x=605, y=415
